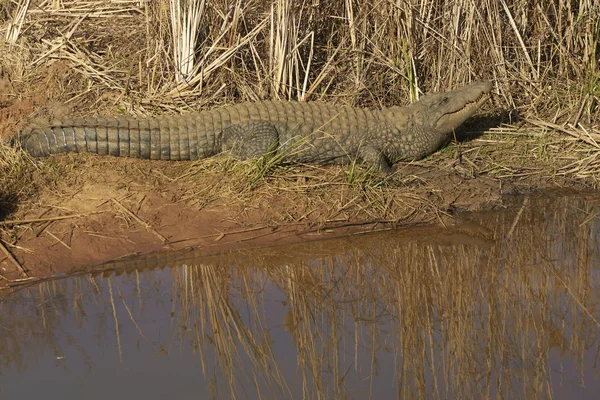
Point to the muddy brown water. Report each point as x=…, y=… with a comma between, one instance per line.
x=505, y=305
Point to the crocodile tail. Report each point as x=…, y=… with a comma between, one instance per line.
x=166, y=138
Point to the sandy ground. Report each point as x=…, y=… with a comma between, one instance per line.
x=105, y=209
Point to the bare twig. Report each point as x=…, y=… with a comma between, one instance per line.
x=21, y=268
x=57, y=218
x=139, y=221
x=587, y=137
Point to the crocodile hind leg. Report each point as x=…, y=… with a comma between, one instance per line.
x=374, y=157
x=253, y=140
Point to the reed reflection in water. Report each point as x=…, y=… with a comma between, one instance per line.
x=506, y=305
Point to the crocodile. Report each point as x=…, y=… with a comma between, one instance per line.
x=295, y=132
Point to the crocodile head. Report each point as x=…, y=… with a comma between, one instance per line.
x=444, y=112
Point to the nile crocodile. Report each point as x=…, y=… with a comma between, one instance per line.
x=297, y=132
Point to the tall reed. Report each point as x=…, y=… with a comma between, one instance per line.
x=542, y=55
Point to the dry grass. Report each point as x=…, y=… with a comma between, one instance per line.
x=142, y=57
x=543, y=58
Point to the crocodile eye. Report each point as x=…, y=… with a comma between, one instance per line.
x=444, y=100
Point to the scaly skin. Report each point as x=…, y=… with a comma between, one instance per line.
x=313, y=133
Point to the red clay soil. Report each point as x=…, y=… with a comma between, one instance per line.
x=106, y=213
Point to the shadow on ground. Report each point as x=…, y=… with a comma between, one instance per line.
x=476, y=126
x=8, y=205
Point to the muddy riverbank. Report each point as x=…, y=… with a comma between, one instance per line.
x=101, y=209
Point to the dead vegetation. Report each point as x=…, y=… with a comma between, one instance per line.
x=152, y=57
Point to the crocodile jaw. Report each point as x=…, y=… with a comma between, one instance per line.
x=451, y=120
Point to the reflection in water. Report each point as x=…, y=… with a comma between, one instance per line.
x=512, y=312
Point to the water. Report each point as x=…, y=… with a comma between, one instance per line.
x=506, y=305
